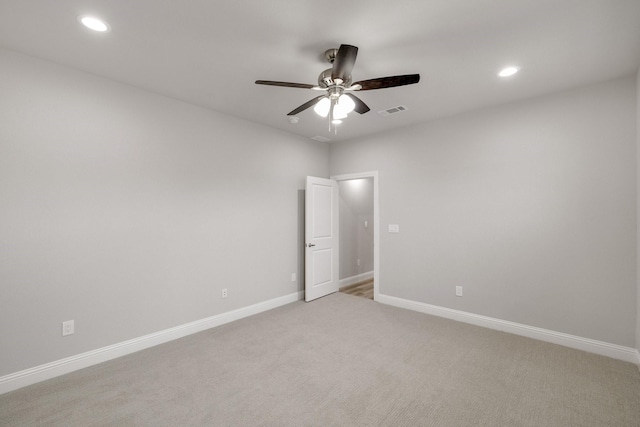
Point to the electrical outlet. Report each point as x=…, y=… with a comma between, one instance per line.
x=293, y=277
x=68, y=328
x=224, y=293
x=458, y=291
x=358, y=263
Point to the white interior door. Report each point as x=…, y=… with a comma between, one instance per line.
x=321, y=238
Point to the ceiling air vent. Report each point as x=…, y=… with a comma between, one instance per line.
x=320, y=138
x=393, y=110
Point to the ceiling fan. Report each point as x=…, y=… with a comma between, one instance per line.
x=338, y=99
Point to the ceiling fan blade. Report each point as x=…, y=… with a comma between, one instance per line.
x=306, y=105
x=361, y=107
x=284, y=84
x=391, y=81
x=344, y=62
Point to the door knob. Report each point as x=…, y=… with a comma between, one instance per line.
x=309, y=245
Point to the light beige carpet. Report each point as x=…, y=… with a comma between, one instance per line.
x=339, y=361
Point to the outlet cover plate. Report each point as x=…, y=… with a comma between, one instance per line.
x=68, y=328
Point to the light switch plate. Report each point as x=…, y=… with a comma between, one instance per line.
x=394, y=228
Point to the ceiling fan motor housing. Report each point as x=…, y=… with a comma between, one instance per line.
x=325, y=80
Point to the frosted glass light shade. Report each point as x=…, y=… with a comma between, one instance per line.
x=322, y=107
x=345, y=104
x=338, y=113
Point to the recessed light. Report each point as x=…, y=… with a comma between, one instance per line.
x=94, y=23
x=508, y=71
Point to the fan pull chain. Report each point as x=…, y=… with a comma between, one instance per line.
x=333, y=103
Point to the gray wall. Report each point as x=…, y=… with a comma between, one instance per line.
x=356, y=240
x=638, y=208
x=129, y=212
x=531, y=207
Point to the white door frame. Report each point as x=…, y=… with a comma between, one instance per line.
x=376, y=223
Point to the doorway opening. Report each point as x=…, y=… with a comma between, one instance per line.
x=359, y=234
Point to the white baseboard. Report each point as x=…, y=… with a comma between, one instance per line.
x=355, y=279
x=50, y=370
x=615, y=351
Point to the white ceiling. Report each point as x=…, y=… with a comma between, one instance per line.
x=210, y=52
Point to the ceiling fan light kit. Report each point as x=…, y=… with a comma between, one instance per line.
x=338, y=101
x=342, y=106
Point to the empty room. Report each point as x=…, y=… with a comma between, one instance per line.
x=296, y=213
